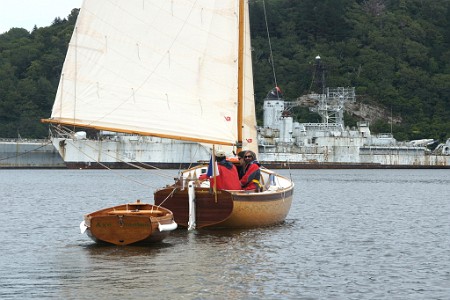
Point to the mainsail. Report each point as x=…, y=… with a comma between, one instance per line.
x=161, y=68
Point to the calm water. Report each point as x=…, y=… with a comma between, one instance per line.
x=351, y=234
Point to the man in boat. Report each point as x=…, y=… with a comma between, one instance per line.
x=241, y=166
x=227, y=177
x=252, y=173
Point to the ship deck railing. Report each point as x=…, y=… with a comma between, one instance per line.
x=20, y=140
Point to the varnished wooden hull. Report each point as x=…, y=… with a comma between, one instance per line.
x=129, y=224
x=232, y=209
x=209, y=209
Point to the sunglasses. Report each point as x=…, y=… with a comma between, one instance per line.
x=248, y=156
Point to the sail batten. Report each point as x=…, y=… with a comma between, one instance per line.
x=135, y=77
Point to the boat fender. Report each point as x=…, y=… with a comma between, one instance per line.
x=83, y=227
x=192, y=217
x=167, y=227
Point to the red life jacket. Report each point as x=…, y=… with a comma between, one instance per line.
x=228, y=178
x=252, y=172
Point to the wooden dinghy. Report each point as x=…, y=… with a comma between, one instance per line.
x=130, y=223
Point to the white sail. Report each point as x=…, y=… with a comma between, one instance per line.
x=162, y=68
x=249, y=116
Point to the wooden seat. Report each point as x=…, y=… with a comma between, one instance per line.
x=137, y=212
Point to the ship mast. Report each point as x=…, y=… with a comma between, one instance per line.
x=240, y=76
x=319, y=77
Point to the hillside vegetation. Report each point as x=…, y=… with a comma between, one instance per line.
x=395, y=52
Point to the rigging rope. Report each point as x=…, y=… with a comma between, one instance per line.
x=108, y=168
x=270, y=45
x=128, y=163
x=119, y=158
x=133, y=163
x=168, y=196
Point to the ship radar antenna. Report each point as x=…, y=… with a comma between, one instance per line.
x=318, y=78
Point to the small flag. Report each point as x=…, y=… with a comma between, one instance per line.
x=210, y=172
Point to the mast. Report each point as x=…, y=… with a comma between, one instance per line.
x=240, y=97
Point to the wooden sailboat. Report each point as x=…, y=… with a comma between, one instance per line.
x=196, y=205
x=130, y=223
x=180, y=70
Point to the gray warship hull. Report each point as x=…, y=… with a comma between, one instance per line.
x=18, y=153
x=282, y=143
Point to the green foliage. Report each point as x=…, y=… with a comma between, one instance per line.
x=30, y=66
x=396, y=54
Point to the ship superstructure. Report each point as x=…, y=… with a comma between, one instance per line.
x=330, y=144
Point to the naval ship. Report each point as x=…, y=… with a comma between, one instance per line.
x=106, y=149
x=284, y=143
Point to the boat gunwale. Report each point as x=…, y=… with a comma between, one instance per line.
x=264, y=196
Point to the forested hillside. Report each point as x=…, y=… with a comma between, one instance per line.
x=395, y=52
x=30, y=66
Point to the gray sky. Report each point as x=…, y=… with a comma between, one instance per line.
x=27, y=13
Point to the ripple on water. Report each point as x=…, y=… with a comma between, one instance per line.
x=351, y=234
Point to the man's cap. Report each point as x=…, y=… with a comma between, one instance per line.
x=220, y=153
